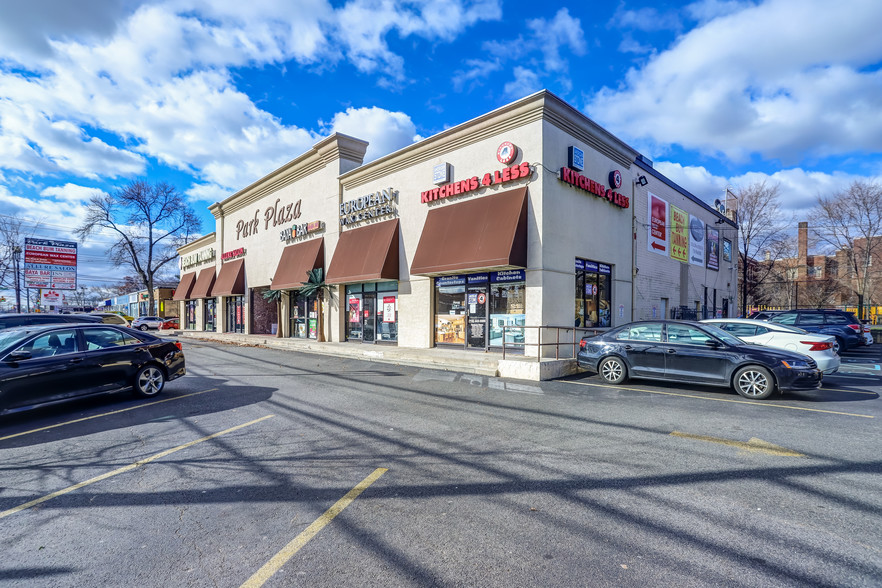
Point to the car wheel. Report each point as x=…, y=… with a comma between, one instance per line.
x=144, y=327
x=754, y=382
x=149, y=381
x=839, y=346
x=613, y=370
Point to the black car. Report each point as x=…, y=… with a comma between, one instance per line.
x=764, y=315
x=843, y=325
x=8, y=321
x=684, y=351
x=48, y=364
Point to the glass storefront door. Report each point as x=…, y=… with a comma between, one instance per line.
x=476, y=305
x=190, y=319
x=372, y=312
x=303, y=316
x=210, y=314
x=235, y=314
x=369, y=323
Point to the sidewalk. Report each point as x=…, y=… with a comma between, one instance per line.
x=469, y=362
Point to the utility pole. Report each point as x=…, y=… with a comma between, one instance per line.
x=16, y=261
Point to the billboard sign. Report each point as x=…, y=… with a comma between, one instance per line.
x=50, y=264
x=657, y=237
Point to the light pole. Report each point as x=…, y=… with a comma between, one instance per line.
x=16, y=256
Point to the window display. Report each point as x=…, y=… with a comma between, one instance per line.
x=235, y=314
x=475, y=309
x=593, y=294
x=372, y=312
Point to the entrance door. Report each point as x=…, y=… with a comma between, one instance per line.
x=476, y=304
x=370, y=317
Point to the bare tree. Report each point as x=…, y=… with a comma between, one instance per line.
x=13, y=231
x=850, y=221
x=150, y=222
x=762, y=234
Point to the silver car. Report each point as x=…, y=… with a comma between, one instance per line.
x=145, y=323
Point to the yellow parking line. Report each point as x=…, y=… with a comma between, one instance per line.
x=287, y=552
x=127, y=468
x=759, y=404
x=754, y=445
x=103, y=414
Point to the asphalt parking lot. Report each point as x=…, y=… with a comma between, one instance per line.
x=264, y=467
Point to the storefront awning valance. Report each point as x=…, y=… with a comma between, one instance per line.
x=296, y=260
x=182, y=292
x=231, y=279
x=476, y=234
x=204, y=284
x=366, y=254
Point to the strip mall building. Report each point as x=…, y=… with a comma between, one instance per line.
x=530, y=215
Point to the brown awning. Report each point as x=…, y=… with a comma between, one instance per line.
x=231, y=279
x=366, y=254
x=296, y=260
x=182, y=292
x=204, y=283
x=477, y=234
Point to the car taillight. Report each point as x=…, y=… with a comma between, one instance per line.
x=856, y=328
x=583, y=344
x=818, y=345
x=178, y=345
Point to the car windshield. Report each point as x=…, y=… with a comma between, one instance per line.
x=9, y=338
x=722, y=335
x=789, y=329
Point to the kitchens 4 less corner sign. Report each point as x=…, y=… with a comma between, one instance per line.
x=577, y=180
x=465, y=186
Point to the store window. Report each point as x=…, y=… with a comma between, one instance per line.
x=372, y=312
x=475, y=310
x=235, y=314
x=210, y=317
x=190, y=318
x=593, y=294
x=302, y=316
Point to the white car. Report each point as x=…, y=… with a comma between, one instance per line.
x=144, y=323
x=822, y=348
x=868, y=336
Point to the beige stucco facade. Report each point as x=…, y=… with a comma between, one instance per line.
x=564, y=222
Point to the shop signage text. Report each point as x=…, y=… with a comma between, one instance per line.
x=228, y=255
x=275, y=214
x=577, y=180
x=471, y=184
x=197, y=258
x=492, y=277
x=593, y=266
x=369, y=206
x=301, y=230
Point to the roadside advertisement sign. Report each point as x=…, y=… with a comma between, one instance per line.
x=50, y=264
x=51, y=298
x=713, y=249
x=657, y=238
x=679, y=234
x=696, y=241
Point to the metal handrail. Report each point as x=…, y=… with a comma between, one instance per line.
x=557, y=342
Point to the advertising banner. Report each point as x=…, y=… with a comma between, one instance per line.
x=713, y=249
x=50, y=264
x=696, y=241
x=51, y=298
x=679, y=234
x=388, y=309
x=657, y=237
x=727, y=250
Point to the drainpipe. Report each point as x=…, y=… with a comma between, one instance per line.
x=633, y=247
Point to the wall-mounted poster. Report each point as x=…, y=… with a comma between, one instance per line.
x=679, y=234
x=713, y=249
x=696, y=241
x=727, y=250
x=657, y=237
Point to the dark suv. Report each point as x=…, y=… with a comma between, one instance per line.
x=44, y=318
x=841, y=324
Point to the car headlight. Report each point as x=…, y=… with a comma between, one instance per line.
x=796, y=364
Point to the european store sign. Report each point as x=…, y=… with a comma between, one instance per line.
x=367, y=207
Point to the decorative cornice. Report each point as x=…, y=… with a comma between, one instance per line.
x=200, y=242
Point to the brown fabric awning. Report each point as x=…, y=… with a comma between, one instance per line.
x=366, y=254
x=296, y=261
x=204, y=283
x=231, y=279
x=182, y=292
x=476, y=234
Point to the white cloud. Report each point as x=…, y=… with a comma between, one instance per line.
x=525, y=83
x=707, y=10
x=806, y=84
x=645, y=19
x=561, y=31
x=384, y=130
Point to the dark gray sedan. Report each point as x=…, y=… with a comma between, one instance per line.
x=42, y=365
x=693, y=353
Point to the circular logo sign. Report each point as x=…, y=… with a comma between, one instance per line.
x=481, y=298
x=615, y=179
x=696, y=228
x=506, y=153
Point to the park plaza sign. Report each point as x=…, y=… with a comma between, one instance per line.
x=276, y=214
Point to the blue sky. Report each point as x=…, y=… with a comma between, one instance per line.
x=213, y=94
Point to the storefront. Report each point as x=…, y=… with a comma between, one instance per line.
x=471, y=238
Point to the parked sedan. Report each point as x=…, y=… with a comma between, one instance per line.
x=824, y=349
x=48, y=364
x=147, y=322
x=695, y=353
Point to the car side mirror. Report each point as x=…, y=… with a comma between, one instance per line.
x=18, y=355
x=712, y=343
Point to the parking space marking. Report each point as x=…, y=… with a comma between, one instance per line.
x=281, y=558
x=127, y=468
x=759, y=404
x=103, y=414
x=754, y=445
